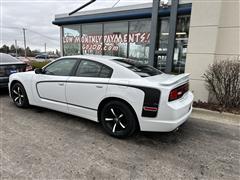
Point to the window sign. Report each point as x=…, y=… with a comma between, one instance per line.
x=111, y=41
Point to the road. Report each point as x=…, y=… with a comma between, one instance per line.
x=37, y=143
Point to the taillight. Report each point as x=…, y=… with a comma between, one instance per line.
x=173, y=95
x=178, y=92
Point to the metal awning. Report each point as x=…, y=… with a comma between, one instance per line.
x=184, y=9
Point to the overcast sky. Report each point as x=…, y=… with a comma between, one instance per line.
x=37, y=16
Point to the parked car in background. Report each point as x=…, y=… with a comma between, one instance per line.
x=53, y=56
x=8, y=66
x=42, y=56
x=119, y=93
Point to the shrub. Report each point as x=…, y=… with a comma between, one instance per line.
x=223, y=80
x=38, y=64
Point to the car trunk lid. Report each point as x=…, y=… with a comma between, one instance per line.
x=169, y=80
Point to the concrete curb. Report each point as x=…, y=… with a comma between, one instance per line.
x=221, y=117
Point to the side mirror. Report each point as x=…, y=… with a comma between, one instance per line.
x=39, y=71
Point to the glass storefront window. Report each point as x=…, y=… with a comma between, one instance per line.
x=128, y=39
x=71, y=40
x=139, y=40
x=163, y=44
x=116, y=38
x=92, y=38
x=181, y=42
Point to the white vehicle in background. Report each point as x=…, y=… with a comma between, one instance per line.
x=119, y=93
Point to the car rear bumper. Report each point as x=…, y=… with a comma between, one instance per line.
x=164, y=126
x=176, y=115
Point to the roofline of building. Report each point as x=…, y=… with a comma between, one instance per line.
x=105, y=10
x=117, y=13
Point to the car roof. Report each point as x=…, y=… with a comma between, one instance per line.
x=95, y=57
x=108, y=60
x=119, y=70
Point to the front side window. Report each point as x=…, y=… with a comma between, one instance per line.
x=62, y=67
x=93, y=69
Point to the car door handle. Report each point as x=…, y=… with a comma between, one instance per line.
x=99, y=86
x=61, y=84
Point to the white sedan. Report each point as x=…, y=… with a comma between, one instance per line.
x=120, y=93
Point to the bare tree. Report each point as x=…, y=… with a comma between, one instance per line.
x=223, y=80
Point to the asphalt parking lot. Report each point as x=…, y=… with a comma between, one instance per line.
x=37, y=143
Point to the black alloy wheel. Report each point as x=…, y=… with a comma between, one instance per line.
x=118, y=120
x=19, y=95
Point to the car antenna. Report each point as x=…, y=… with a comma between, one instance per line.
x=83, y=6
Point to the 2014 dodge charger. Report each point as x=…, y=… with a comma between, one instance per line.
x=121, y=94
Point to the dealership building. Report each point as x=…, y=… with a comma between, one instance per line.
x=190, y=35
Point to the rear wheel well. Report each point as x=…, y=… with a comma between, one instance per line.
x=109, y=99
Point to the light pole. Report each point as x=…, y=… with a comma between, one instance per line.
x=45, y=47
x=16, y=48
x=24, y=40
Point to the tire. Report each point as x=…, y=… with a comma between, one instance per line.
x=118, y=120
x=19, y=95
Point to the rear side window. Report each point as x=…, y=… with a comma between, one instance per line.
x=106, y=72
x=88, y=68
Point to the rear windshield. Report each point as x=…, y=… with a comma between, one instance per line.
x=6, y=58
x=140, y=69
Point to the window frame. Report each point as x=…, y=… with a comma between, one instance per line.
x=101, y=64
x=71, y=72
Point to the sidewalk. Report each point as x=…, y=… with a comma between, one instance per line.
x=226, y=118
